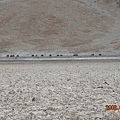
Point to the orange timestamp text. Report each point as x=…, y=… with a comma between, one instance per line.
x=112, y=107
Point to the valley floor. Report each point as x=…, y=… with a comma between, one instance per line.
x=67, y=90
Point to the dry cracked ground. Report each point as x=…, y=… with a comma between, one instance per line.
x=59, y=90
x=59, y=26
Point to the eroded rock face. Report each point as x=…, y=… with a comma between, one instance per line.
x=64, y=26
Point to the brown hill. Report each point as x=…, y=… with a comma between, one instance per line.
x=59, y=26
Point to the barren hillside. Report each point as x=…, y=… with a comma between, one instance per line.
x=59, y=26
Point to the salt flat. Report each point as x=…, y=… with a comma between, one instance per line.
x=59, y=90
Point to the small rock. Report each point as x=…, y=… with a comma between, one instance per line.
x=33, y=99
x=100, y=87
x=106, y=83
x=68, y=79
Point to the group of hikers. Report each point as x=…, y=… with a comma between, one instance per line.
x=50, y=55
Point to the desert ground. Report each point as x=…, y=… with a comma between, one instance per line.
x=59, y=90
x=59, y=26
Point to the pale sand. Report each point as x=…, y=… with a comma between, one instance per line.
x=59, y=90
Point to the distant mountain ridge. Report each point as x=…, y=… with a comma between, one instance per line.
x=59, y=26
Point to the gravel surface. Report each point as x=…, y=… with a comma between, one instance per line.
x=59, y=90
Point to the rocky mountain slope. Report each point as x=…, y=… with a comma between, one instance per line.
x=59, y=26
